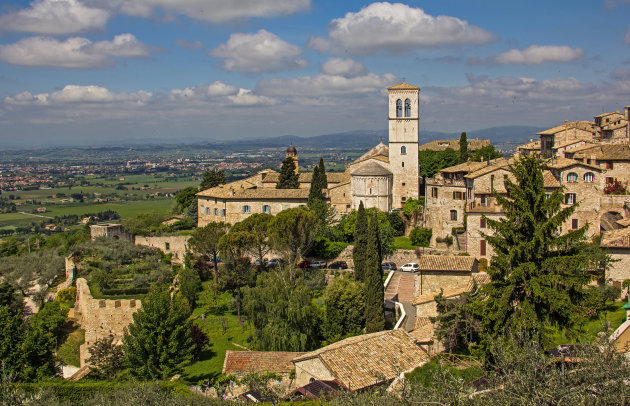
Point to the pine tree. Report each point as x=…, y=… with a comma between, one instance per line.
x=288, y=179
x=463, y=148
x=158, y=343
x=538, y=277
x=373, y=279
x=360, y=243
x=212, y=179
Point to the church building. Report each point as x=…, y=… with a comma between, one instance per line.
x=384, y=177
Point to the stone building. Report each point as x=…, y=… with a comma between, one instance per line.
x=617, y=243
x=565, y=136
x=115, y=231
x=613, y=158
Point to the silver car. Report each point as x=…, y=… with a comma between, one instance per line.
x=410, y=267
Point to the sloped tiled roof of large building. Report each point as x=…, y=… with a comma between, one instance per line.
x=380, y=152
x=423, y=330
x=607, y=114
x=234, y=192
x=604, y=152
x=306, y=177
x=469, y=166
x=440, y=145
x=549, y=180
x=532, y=145
x=567, y=144
x=616, y=238
x=580, y=125
x=614, y=126
x=369, y=359
x=370, y=168
x=452, y=263
x=247, y=362
x=495, y=164
x=562, y=163
x=403, y=86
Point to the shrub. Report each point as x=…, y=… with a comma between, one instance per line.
x=324, y=248
x=421, y=236
x=67, y=295
x=448, y=240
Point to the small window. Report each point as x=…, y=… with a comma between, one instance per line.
x=247, y=209
x=404, y=199
x=399, y=108
x=207, y=210
x=453, y=215
x=569, y=198
x=609, y=181
x=403, y=164
x=482, y=200
x=215, y=200
x=609, y=165
x=547, y=196
x=403, y=183
x=407, y=108
x=222, y=212
x=403, y=150
x=201, y=208
x=458, y=195
x=574, y=224
x=434, y=192
x=482, y=223
x=589, y=177
x=167, y=246
x=482, y=248
x=216, y=211
x=572, y=177
x=266, y=209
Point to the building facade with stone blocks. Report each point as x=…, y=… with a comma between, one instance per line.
x=177, y=245
x=437, y=272
x=562, y=135
x=426, y=306
x=115, y=231
x=617, y=243
x=614, y=159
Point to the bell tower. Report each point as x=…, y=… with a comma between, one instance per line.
x=292, y=152
x=403, y=141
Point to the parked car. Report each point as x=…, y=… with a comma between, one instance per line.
x=304, y=264
x=318, y=264
x=389, y=266
x=410, y=267
x=338, y=265
x=275, y=262
x=265, y=262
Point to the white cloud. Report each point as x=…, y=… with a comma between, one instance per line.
x=259, y=52
x=57, y=17
x=74, y=52
x=343, y=67
x=199, y=93
x=326, y=85
x=536, y=55
x=245, y=97
x=78, y=94
x=396, y=28
x=213, y=11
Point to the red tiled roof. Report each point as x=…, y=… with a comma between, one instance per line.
x=247, y=362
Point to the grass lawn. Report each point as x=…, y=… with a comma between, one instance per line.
x=403, y=243
x=223, y=330
x=17, y=219
x=125, y=209
x=614, y=314
x=68, y=352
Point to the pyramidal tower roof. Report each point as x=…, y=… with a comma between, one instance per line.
x=403, y=86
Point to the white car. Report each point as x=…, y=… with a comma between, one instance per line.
x=318, y=264
x=410, y=267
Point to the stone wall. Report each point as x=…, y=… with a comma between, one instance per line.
x=618, y=271
x=311, y=368
x=115, y=231
x=174, y=244
x=442, y=198
x=101, y=318
x=231, y=211
x=433, y=281
x=71, y=269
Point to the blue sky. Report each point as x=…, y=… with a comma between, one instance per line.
x=90, y=72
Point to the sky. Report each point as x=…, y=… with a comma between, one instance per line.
x=107, y=72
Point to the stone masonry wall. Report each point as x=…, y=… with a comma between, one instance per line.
x=101, y=318
x=174, y=244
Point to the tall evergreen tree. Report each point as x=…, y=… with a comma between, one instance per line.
x=538, y=277
x=315, y=196
x=288, y=179
x=315, y=193
x=158, y=343
x=463, y=148
x=373, y=279
x=212, y=179
x=322, y=173
x=360, y=243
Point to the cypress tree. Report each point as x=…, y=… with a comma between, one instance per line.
x=315, y=193
x=373, y=279
x=288, y=179
x=360, y=243
x=463, y=148
x=322, y=173
x=315, y=197
x=537, y=277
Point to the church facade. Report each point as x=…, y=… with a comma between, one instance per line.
x=384, y=177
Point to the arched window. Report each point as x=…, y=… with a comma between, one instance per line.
x=589, y=177
x=247, y=209
x=572, y=177
x=453, y=215
x=407, y=108
x=403, y=150
x=399, y=108
x=266, y=208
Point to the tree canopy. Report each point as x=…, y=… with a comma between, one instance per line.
x=289, y=178
x=431, y=162
x=205, y=241
x=212, y=179
x=463, y=148
x=292, y=232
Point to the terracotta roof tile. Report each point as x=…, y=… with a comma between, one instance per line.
x=380, y=152
x=403, y=86
x=370, y=168
x=366, y=360
x=562, y=163
x=229, y=192
x=581, y=125
x=467, y=167
x=440, y=145
x=430, y=296
x=446, y=263
x=247, y=362
x=604, y=152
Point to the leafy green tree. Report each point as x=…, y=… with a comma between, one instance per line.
x=537, y=277
x=205, y=241
x=398, y=226
x=281, y=309
x=9, y=296
x=189, y=284
x=373, y=277
x=458, y=326
x=463, y=148
x=421, y=236
x=345, y=309
x=485, y=153
x=185, y=198
x=288, y=179
x=347, y=226
x=431, y=162
x=292, y=232
x=158, y=344
x=106, y=358
x=11, y=338
x=212, y=179
x=238, y=268
x=145, y=223
x=257, y=225
x=52, y=317
x=38, y=349
x=359, y=252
